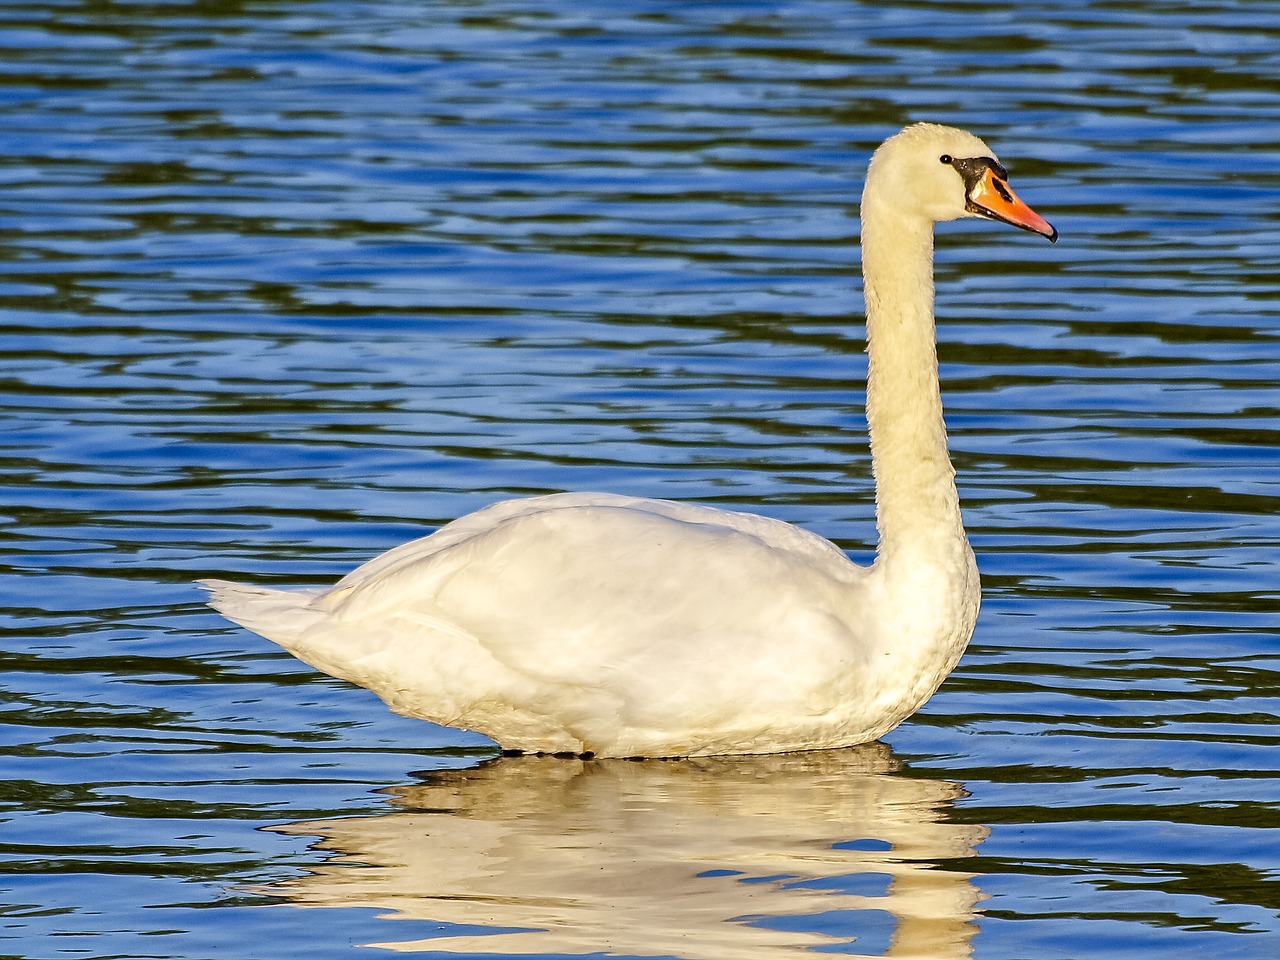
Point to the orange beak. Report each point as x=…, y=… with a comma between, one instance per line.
x=992, y=197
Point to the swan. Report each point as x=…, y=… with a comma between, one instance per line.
x=606, y=625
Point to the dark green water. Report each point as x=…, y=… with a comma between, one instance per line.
x=283, y=284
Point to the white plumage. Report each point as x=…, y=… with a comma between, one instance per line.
x=594, y=623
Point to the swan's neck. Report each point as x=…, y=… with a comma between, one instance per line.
x=925, y=578
x=917, y=507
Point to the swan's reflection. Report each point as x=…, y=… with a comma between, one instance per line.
x=736, y=857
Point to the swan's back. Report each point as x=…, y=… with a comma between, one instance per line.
x=594, y=538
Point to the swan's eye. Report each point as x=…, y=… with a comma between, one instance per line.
x=945, y=158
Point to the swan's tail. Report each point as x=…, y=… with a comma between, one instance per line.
x=278, y=615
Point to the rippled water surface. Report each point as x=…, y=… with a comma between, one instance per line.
x=283, y=284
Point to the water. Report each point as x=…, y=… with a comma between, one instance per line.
x=287, y=283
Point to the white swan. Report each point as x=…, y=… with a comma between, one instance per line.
x=615, y=626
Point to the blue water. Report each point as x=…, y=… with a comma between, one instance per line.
x=283, y=284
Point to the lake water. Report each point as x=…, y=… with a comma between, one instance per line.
x=286, y=283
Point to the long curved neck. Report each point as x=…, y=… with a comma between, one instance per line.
x=917, y=507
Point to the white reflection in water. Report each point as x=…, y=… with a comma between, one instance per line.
x=684, y=858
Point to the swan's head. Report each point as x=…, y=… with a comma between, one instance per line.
x=941, y=173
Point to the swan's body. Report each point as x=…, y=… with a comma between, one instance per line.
x=593, y=623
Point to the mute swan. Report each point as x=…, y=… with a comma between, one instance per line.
x=590, y=623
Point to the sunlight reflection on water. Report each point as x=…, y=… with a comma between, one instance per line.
x=744, y=857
